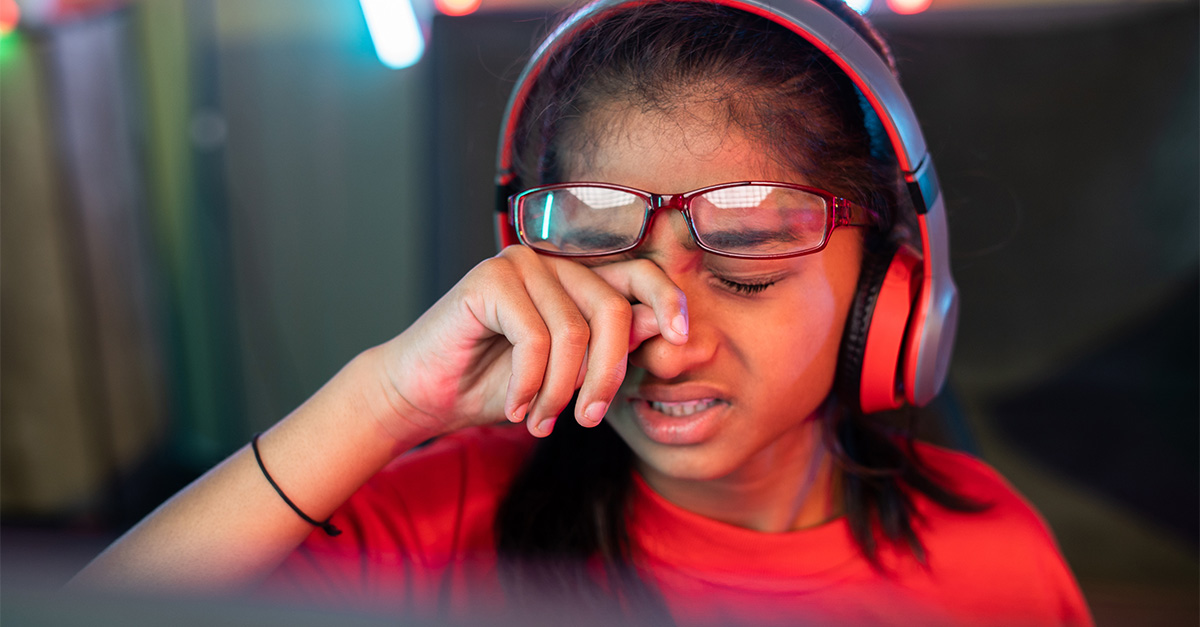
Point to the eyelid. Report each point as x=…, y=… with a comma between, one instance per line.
x=750, y=285
x=745, y=289
x=738, y=274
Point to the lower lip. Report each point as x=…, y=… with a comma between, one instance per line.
x=677, y=430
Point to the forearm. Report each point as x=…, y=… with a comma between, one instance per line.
x=229, y=528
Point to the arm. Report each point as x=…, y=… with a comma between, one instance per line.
x=229, y=528
x=514, y=339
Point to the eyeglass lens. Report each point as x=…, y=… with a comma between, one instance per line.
x=742, y=220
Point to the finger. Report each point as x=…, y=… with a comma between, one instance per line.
x=641, y=281
x=644, y=326
x=609, y=316
x=569, y=338
x=508, y=309
x=583, y=366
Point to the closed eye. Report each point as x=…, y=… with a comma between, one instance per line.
x=746, y=288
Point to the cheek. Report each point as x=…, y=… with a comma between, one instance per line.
x=816, y=334
x=796, y=348
x=824, y=303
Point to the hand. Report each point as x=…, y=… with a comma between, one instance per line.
x=521, y=332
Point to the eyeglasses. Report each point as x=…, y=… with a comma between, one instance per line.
x=750, y=219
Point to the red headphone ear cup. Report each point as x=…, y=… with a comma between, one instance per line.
x=506, y=235
x=874, y=340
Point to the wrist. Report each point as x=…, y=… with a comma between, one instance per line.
x=389, y=406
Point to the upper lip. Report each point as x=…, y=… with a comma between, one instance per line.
x=677, y=393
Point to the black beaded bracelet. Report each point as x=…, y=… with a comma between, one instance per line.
x=327, y=526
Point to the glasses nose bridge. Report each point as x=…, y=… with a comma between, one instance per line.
x=659, y=202
x=678, y=202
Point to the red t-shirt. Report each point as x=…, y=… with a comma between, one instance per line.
x=418, y=539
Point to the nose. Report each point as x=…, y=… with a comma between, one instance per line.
x=669, y=245
x=668, y=238
x=668, y=362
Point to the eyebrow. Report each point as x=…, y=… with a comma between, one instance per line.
x=744, y=239
x=596, y=239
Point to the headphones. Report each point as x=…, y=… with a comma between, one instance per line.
x=900, y=332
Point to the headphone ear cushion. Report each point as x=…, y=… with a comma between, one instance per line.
x=873, y=342
x=858, y=323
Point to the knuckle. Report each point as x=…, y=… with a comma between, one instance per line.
x=538, y=342
x=493, y=269
x=670, y=294
x=518, y=254
x=511, y=251
x=573, y=334
x=615, y=308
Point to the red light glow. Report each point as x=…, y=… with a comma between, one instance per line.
x=10, y=15
x=457, y=7
x=908, y=7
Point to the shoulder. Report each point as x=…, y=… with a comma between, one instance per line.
x=1000, y=558
x=1004, y=510
x=970, y=476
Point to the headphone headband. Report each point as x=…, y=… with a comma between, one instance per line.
x=935, y=310
x=811, y=21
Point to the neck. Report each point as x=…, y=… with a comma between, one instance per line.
x=792, y=486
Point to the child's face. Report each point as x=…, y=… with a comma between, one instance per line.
x=734, y=401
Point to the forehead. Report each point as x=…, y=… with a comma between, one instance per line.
x=690, y=145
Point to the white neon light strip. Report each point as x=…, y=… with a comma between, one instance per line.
x=394, y=31
x=862, y=6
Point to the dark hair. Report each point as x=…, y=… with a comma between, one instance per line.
x=565, y=511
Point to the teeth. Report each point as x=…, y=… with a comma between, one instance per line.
x=683, y=408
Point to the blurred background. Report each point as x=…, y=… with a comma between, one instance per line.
x=208, y=206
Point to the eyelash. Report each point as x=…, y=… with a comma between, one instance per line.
x=748, y=289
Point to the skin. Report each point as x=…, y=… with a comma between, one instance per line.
x=754, y=459
x=515, y=339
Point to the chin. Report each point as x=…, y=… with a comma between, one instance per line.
x=697, y=462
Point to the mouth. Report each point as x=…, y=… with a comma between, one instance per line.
x=679, y=423
x=682, y=409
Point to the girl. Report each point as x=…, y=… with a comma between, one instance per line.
x=717, y=226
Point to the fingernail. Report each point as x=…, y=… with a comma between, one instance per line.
x=547, y=426
x=519, y=413
x=595, y=412
x=680, y=325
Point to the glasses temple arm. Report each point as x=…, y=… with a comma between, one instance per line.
x=847, y=213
